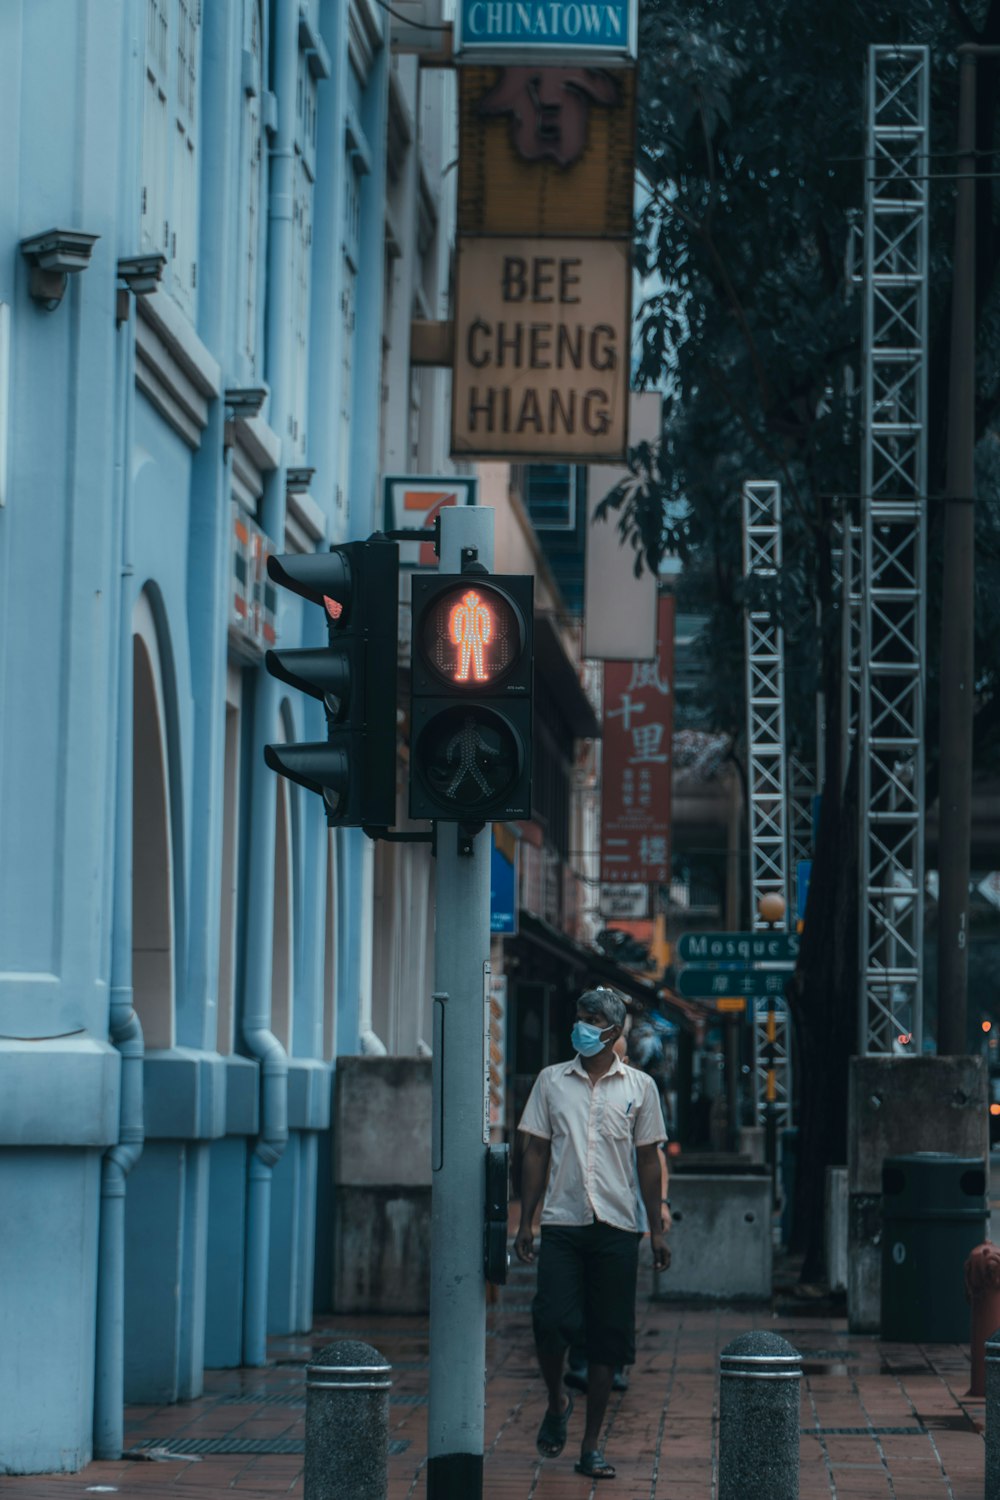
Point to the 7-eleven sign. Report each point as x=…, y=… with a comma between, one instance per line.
x=415, y=501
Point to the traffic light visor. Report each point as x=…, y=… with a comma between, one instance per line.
x=321, y=577
x=471, y=635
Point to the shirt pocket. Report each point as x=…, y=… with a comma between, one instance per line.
x=618, y=1121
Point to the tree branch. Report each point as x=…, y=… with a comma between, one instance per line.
x=961, y=20
x=777, y=458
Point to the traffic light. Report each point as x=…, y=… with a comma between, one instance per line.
x=353, y=676
x=470, y=705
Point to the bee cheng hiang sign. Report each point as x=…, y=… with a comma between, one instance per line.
x=541, y=349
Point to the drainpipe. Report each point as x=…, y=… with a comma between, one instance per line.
x=258, y=1039
x=124, y=1026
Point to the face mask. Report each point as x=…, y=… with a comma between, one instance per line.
x=587, y=1039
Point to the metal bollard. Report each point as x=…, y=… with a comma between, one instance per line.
x=347, y=1423
x=982, y=1289
x=992, y=1416
x=759, y=1375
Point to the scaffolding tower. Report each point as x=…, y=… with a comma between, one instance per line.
x=766, y=777
x=893, y=550
x=847, y=564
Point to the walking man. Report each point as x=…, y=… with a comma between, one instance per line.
x=592, y=1124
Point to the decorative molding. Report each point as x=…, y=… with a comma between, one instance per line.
x=312, y=44
x=357, y=142
x=173, y=368
x=54, y=256
x=256, y=449
x=393, y=237
x=301, y=511
x=364, y=36
x=427, y=211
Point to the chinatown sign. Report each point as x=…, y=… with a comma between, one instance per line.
x=541, y=361
x=539, y=31
x=636, y=755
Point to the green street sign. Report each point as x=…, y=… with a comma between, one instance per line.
x=695, y=983
x=750, y=947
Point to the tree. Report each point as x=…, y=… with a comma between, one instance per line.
x=750, y=153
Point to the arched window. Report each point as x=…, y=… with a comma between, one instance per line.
x=230, y=869
x=152, y=864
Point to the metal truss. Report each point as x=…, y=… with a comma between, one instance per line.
x=765, y=694
x=803, y=786
x=893, y=550
x=848, y=563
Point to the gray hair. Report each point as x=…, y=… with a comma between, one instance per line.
x=607, y=1002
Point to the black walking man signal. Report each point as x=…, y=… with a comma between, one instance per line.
x=470, y=709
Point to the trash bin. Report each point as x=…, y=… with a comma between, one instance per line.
x=933, y=1215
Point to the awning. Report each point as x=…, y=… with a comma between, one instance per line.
x=591, y=968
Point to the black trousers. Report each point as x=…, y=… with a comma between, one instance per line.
x=586, y=1291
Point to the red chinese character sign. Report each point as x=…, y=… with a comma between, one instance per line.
x=636, y=761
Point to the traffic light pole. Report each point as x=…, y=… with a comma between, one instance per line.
x=458, y=1193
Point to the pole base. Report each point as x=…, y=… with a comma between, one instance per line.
x=455, y=1476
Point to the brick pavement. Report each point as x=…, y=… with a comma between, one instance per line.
x=878, y=1420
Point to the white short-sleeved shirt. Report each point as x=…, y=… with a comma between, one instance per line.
x=594, y=1129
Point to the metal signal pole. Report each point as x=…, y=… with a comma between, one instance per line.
x=459, y=1131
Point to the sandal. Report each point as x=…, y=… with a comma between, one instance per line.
x=551, y=1439
x=594, y=1465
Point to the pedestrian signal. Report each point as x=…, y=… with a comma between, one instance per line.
x=353, y=676
x=470, y=706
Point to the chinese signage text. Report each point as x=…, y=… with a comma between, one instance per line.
x=637, y=762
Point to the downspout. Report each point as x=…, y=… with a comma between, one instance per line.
x=125, y=1029
x=363, y=480
x=258, y=1039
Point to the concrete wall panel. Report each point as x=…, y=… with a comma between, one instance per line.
x=382, y=1111
x=48, y=1258
x=382, y=1250
x=154, y=1238
x=224, y=1278
x=720, y=1244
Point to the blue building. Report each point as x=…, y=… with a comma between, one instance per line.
x=218, y=219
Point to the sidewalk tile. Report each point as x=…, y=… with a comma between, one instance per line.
x=911, y=1430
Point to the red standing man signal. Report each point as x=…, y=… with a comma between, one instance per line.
x=471, y=627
